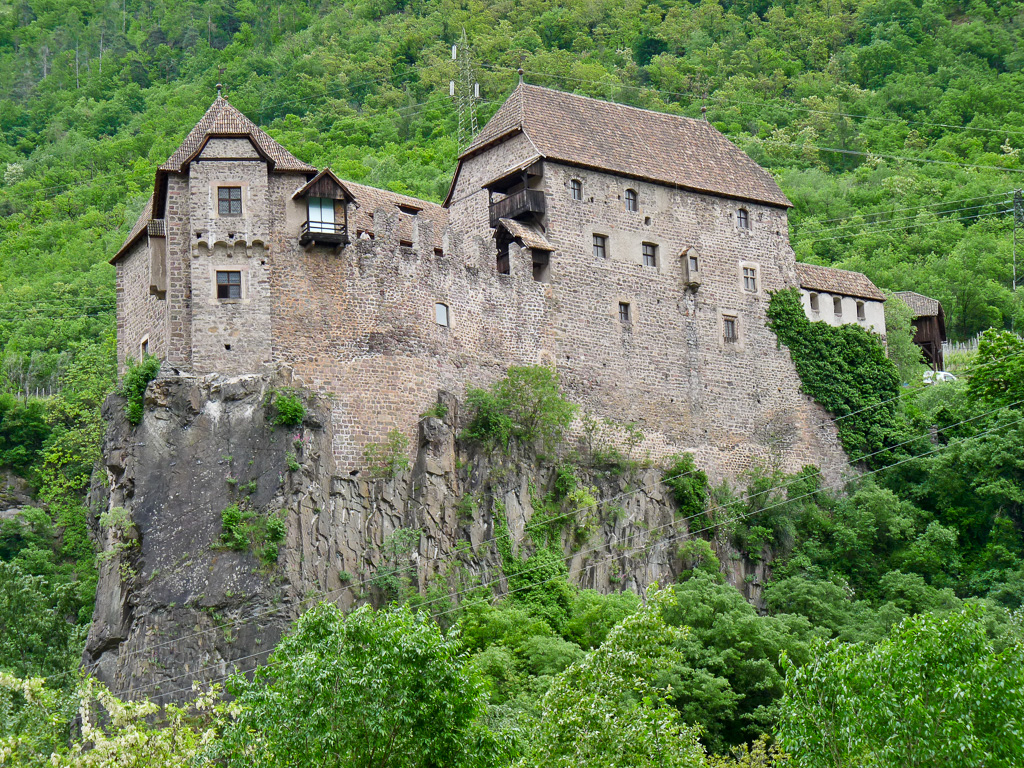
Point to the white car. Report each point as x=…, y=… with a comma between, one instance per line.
x=931, y=377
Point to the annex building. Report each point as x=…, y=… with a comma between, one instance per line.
x=632, y=250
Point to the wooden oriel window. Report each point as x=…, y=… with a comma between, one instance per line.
x=632, y=201
x=624, y=312
x=576, y=189
x=750, y=279
x=229, y=201
x=730, y=329
x=229, y=285
x=650, y=253
x=743, y=218
x=600, y=246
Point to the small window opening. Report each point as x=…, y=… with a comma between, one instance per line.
x=632, y=202
x=750, y=279
x=405, y=243
x=650, y=253
x=441, y=314
x=541, y=266
x=860, y=311
x=729, y=329
x=576, y=189
x=624, y=312
x=743, y=219
x=600, y=246
x=144, y=347
x=503, y=264
x=837, y=306
x=227, y=347
x=814, y=302
x=229, y=285
x=693, y=264
x=439, y=252
x=229, y=201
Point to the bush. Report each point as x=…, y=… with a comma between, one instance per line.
x=387, y=459
x=246, y=530
x=134, y=383
x=289, y=408
x=688, y=484
x=23, y=432
x=527, y=406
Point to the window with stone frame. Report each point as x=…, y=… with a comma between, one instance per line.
x=815, y=306
x=693, y=264
x=650, y=254
x=229, y=285
x=750, y=279
x=837, y=306
x=624, y=316
x=743, y=218
x=441, y=315
x=576, y=189
x=730, y=328
x=861, y=315
x=632, y=201
x=229, y=201
x=600, y=246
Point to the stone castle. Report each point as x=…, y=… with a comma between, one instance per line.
x=632, y=250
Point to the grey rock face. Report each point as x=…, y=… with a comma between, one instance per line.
x=174, y=605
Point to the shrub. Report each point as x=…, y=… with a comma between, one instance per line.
x=134, y=383
x=527, y=406
x=387, y=459
x=246, y=530
x=289, y=408
x=688, y=484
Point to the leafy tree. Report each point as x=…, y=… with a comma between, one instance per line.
x=899, y=340
x=935, y=693
x=382, y=688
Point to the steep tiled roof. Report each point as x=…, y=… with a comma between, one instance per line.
x=222, y=119
x=920, y=305
x=526, y=234
x=140, y=227
x=369, y=199
x=840, y=281
x=664, y=148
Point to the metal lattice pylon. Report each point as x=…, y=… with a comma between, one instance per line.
x=465, y=90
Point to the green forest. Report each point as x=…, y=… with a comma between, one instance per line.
x=896, y=129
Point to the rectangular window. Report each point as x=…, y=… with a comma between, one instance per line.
x=229, y=201
x=441, y=314
x=229, y=285
x=750, y=279
x=860, y=311
x=837, y=306
x=693, y=264
x=600, y=247
x=321, y=214
x=729, y=329
x=650, y=255
x=624, y=312
x=576, y=188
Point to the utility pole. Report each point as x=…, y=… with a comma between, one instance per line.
x=465, y=90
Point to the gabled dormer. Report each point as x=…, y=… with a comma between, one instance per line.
x=326, y=201
x=513, y=193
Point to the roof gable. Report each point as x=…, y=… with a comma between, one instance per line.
x=920, y=305
x=659, y=147
x=222, y=119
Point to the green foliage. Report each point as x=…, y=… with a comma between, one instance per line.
x=134, y=383
x=688, y=484
x=393, y=574
x=1000, y=361
x=382, y=689
x=899, y=340
x=845, y=369
x=387, y=459
x=247, y=530
x=24, y=430
x=934, y=693
x=608, y=709
x=288, y=408
x=437, y=411
x=526, y=405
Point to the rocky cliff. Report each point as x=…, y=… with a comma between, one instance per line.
x=218, y=526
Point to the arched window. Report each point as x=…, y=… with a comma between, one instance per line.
x=576, y=189
x=743, y=219
x=814, y=303
x=632, y=202
x=441, y=314
x=860, y=311
x=837, y=306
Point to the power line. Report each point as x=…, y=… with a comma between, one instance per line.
x=853, y=224
x=870, y=231
x=688, y=534
x=911, y=208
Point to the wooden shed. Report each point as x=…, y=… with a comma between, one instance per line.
x=929, y=325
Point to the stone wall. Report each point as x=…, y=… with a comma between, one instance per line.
x=141, y=316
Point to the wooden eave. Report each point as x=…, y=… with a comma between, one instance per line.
x=328, y=173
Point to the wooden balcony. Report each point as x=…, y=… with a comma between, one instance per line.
x=323, y=233
x=518, y=205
